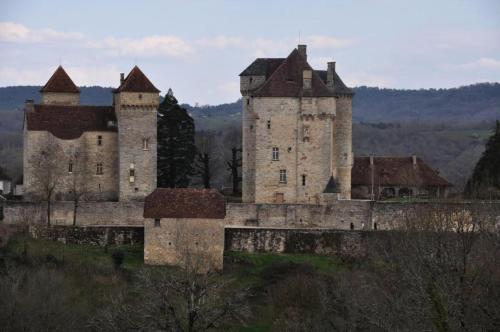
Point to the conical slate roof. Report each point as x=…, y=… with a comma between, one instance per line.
x=331, y=187
x=60, y=82
x=136, y=81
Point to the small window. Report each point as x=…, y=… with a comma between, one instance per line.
x=157, y=223
x=70, y=167
x=145, y=143
x=99, y=170
x=248, y=101
x=268, y=124
x=99, y=140
x=276, y=153
x=282, y=175
x=140, y=96
x=131, y=173
x=303, y=179
x=251, y=79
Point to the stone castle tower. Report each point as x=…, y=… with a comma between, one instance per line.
x=104, y=153
x=297, y=131
x=136, y=103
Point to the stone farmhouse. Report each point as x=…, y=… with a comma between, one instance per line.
x=384, y=177
x=297, y=131
x=101, y=153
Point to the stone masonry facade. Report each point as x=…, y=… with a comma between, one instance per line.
x=95, y=153
x=297, y=131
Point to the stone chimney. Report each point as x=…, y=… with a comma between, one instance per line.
x=414, y=160
x=122, y=78
x=330, y=71
x=29, y=105
x=302, y=50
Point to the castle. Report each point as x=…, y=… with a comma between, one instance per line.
x=297, y=132
x=97, y=153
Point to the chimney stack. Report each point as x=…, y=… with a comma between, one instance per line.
x=414, y=160
x=371, y=160
x=302, y=50
x=29, y=105
x=122, y=78
x=330, y=71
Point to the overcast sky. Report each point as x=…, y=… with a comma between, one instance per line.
x=199, y=47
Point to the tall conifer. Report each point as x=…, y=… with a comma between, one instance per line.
x=176, y=148
x=485, y=180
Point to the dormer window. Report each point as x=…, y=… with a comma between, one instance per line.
x=307, y=79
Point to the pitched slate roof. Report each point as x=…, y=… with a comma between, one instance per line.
x=286, y=80
x=338, y=86
x=60, y=82
x=185, y=203
x=262, y=67
x=70, y=122
x=136, y=81
x=395, y=171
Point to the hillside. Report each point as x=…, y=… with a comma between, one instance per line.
x=447, y=127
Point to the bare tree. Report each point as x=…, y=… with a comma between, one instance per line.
x=79, y=180
x=187, y=299
x=232, y=139
x=207, y=157
x=47, y=176
x=440, y=271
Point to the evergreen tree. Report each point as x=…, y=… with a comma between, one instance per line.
x=485, y=180
x=176, y=148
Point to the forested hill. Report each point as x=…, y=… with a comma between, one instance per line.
x=472, y=103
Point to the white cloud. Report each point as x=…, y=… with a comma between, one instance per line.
x=484, y=63
x=261, y=47
x=157, y=45
x=368, y=79
x=327, y=42
x=18, y=33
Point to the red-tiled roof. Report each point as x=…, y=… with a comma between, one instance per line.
x=286, y=81
x=395, y=171
x=136, y=81
x=70, y=122
x=60, y=82
x=185, y=203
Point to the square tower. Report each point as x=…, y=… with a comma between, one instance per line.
x=136, y=103
x=297, y=131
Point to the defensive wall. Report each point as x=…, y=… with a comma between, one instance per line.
x=340, y=215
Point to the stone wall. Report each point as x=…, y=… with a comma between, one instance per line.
x=310, y=241
x=47, y=158
x=98, y=236
x=199, y=243
x=60, y=98
x=338, y=215
x=136, y=115
x=88, y=213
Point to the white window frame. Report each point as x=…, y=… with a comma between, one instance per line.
x=283, y=176
x=276, y=153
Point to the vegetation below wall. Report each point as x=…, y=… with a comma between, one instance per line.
x=52, y=286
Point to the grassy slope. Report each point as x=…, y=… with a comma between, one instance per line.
x=90, y=272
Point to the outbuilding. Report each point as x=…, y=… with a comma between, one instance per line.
x=185, y=227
